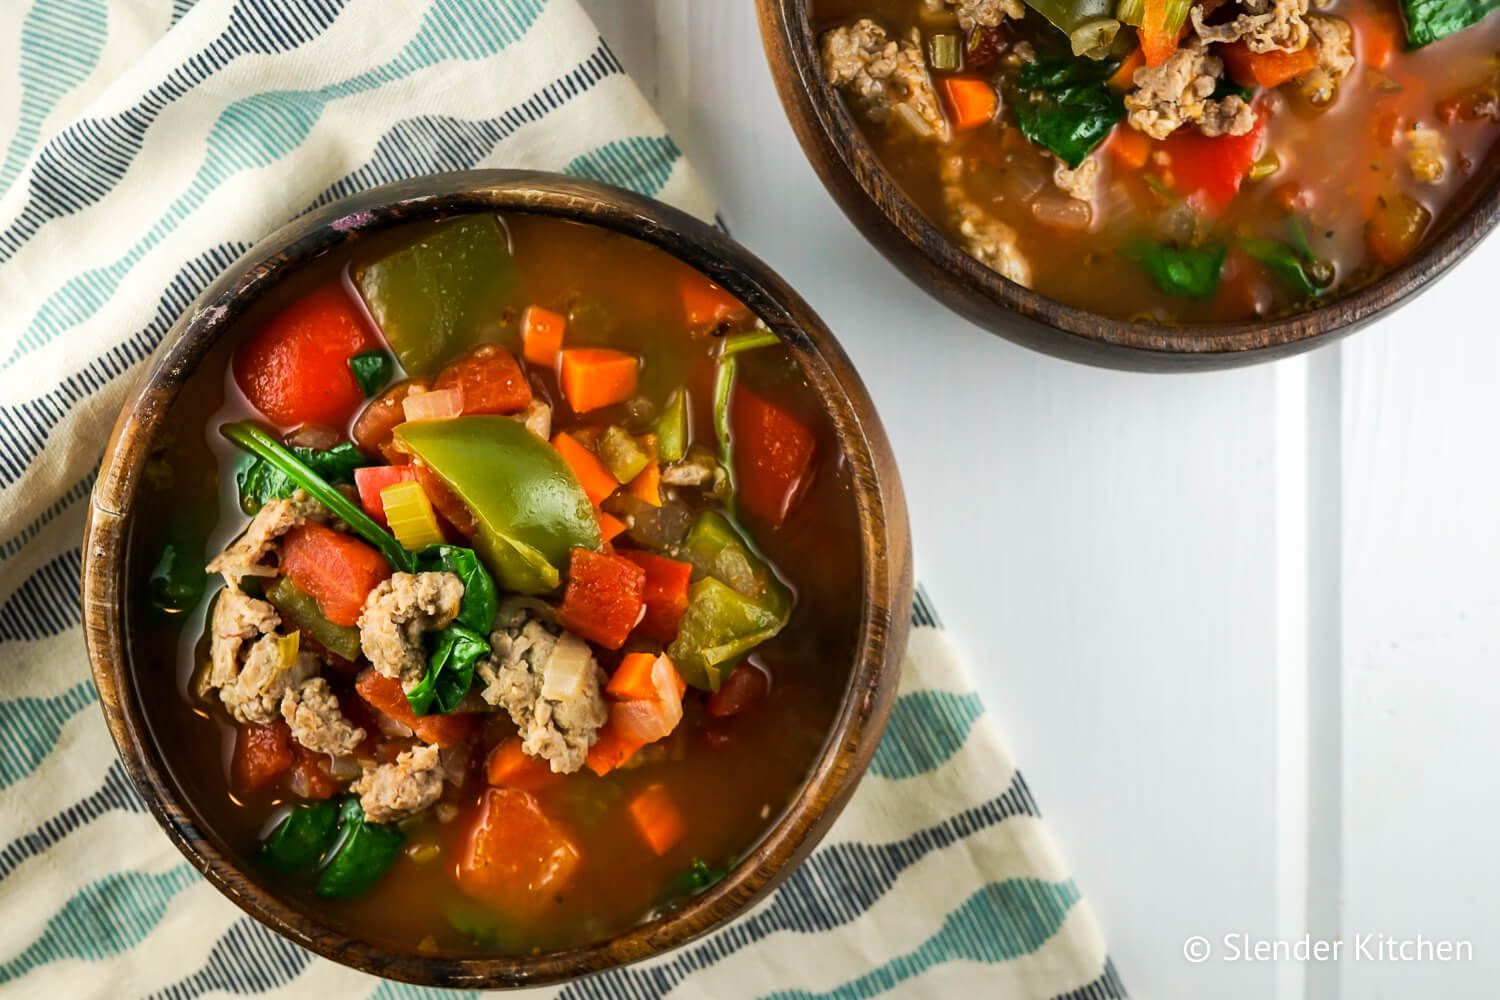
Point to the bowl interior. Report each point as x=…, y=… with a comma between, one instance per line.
x=874, y=201
x=874, y=649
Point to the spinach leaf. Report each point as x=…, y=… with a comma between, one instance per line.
x=1299, y=273
x=1226, y=87
x=361, y=853
x=1187, y=272
x=299, y=840
x=176, y=582
x=260, y=481
x=450, y=670
x=1429, y=20
x=477, y=611
x=1066, y=106
x=372, y=370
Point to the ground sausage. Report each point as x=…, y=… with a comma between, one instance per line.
x=887, y=79
x=1179, y=91
x=251, y=690
x=1264, y=25
x=986, y=13
x=1077, y=182
x=985, y=238
x=311, y=709
x=396, y=614
x=1335, y=42
x=402, y=788
x=246, y=556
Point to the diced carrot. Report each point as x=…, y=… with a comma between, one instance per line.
x=371, y=479
x=593, y=475
x=542, y=335
x=262, y=754
x=773, y=454
x=1130, y=147
x=610, y=527
x=603, y=600
x=384, y=694
x=972, y=102
x=611, y=750
x=666, y=594
x=372, y=431
x=705, y=303
x=647, y=484
x=593, y=377
x=490, y=379
x=508, y=766
x=1157, y=43
x=632, y=678
x=337, y=569
x=1123, y=78
x=517, y=858
x=1375, y=39
x=657, y=818
x=295, y=369
x=1266, y=69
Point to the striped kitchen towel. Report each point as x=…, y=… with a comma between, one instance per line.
x=146, y=145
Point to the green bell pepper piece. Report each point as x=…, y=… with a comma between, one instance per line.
x=360, y=854
x=299, y=840
x=672, y=427
x=439, y=296
x=531, y=510
x=302, y=611
x=717, y=549
x=720, y=626
x=621, y=454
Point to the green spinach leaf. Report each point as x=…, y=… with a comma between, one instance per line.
x=1066, y=106
x=372, y=370
x=450, y=670
x=261, y=481
x=1300, y=274
x=477, y=611
x=1429, y=20
x=1187, y=272
x=360, y=854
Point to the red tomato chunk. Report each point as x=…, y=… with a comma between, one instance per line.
x=516, y=859
x=666, y=594
x=337, y=569
x=296, y=369
x=604, y=598
x=773, y=453
x=262, y=754
x=491, y=381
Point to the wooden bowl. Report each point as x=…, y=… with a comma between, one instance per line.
x=885, y=557
x=874, y=202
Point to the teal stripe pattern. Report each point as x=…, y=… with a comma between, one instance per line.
x=641, y=163
x=926, y=729
x=1000, y=922
x=103, y=918
x=29, y=728
x=61, y=41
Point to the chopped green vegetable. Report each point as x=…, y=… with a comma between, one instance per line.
x=440, y=296
x=298, y=842
x=700, y=875
x=372, y=370
x=1429, y=20
x=450, y=670
x=720, y=626
x=944, y=53
x=1188, y=272
x=531, y=510
x=724, y=377
x=360, y=854
x=672, y=427
x=260, y=481
x=177, y=580
x=1133, y=12
x=256, y=441
x=621, y=454
x=1306, y=277
x=1066, y=106
x=477, y=610
x=1071, y=15
x=717, y=549
x=302, y=612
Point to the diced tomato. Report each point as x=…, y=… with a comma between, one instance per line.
x=657, y=818
x=295, y=369
x=508, y=766
x=373, y=430
x=446, y=502
x=1266, y=69
x=772, y=455
x=384, y=694
x=337, y=569
x=611, y=750
x=1210, y=170
x=603, y=600
x=371, y=479
x=666, y=594
x=517, y=859
x=542, y=336
x=706, y=304
x=491, y=380
x=262, y=754
x=311, y=777
x=744, y=689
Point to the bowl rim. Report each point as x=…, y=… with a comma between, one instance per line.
x=875, y=203
x=880, y=503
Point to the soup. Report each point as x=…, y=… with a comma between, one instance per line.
x=527, y=606
x=1175, y=162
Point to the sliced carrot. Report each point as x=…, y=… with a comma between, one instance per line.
x=1157, y=43
x=384, y=694
x=595, y=478
x=509, y=766
x=632, y=678
x=972, y=102
x=666, y=594
x=610, y=527
x=1266, y=69
x=611, y=750
x=542, y=335
x=1130, y=147
x=647, y=485
x=1123, y=78
x=593, y=377
x=517, y=859
x=657, y=818
x=337, y=569
x=705, y=303
x=603, y=600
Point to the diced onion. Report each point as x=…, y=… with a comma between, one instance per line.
x=913, y=120
x=644, y=720
x=567, y=668
x=1093, y=39
x=664, y=679
x=438, y=404
x=1064, y=213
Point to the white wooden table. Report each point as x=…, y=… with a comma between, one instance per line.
x=1241, y=630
